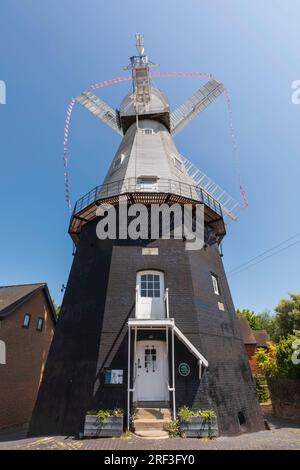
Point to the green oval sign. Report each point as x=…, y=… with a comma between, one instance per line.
x=184, y=369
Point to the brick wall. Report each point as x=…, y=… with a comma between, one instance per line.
x=251, y=350
x=92, y=335
x=285, y=396
x=26, y=354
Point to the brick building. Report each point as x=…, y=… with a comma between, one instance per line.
x=253, y=339
x=27, y=322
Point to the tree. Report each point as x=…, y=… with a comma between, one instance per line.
x=251, y=317
x=288, y=315
x=261, y=321
x=267, y=321
x=56, y=307
x=278, y=361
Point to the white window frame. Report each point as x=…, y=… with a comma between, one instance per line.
x=152, y=282
x=118, y=161
x=177, y=163
x=27, y=315
x=38, y=322
x=2, y=352
x=148, y=131
x=215, y=284
x=151, y=180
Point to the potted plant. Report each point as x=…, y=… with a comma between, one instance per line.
x=199, y=423
x=103, y=423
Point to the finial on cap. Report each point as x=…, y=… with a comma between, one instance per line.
x=140, y=43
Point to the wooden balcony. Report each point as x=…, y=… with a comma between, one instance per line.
x=131, y=190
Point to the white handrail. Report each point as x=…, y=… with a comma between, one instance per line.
x=190, y=346
x=136, y=300
x=166, y=298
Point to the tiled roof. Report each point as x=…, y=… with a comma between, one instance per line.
x=247, y=333
x=262, y=338
x=13, y=296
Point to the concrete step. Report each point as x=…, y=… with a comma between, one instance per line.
x=155, y=413
x=156, y=434
x=152, y=404
x=150, y=424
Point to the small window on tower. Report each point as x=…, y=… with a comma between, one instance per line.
x=148, y=184
x=148, y=131
x=215, y=284
x=178, y=163
x=118, y=161
x=150, y=285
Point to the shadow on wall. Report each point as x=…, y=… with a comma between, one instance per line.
x=119, y=355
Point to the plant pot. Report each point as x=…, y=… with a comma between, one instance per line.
x=199, y=427
x=285, y=396
x=110, y=427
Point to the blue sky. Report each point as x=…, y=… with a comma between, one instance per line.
x=52, y=50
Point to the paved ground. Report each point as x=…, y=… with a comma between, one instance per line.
x=284, y=435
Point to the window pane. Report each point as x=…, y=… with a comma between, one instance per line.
x=143, y=293
x=156, y=277
x=150, y=293
x=143, y=285
x=150, y=277
x=177, y=163
x=156, y=293
x=40, y=324
x=156, y=285
x=143, y=277
x=215, y=285
x=26, y=320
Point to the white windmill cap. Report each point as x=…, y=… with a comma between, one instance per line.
x=158, y=104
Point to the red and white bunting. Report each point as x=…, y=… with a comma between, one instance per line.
x=180, y=74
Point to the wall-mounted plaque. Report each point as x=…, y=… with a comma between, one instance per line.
x=184, y=369
x=113, y=376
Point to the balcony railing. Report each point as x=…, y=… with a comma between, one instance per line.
x=135, y=185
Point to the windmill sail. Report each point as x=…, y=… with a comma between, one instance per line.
x=228, y=204
x=100, y=109
x=195, y=104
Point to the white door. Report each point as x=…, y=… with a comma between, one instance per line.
x=150, y=371
x=151, y=289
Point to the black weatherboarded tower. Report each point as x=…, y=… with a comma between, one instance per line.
x=147, y=322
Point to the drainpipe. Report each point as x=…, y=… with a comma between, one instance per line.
x=167, y=302
x=128, y=381
x=136, y=301
x=173, y=375
x=167, y=340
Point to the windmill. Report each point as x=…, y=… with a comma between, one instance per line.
x=178, y=119
x=145, y=324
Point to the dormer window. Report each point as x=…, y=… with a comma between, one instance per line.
x=118, y=161
x=148, y=131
